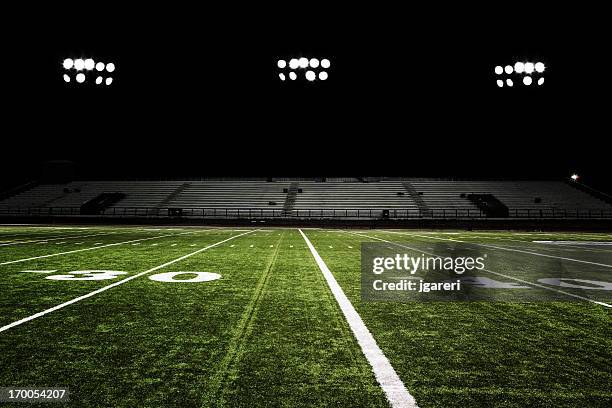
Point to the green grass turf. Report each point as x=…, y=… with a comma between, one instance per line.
x=270, y=333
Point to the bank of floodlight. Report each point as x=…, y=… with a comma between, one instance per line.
x=313, y=68
x=526, y=71
x=575, y=177
x=85, y=67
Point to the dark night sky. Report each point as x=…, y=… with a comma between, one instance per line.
x=411, y=92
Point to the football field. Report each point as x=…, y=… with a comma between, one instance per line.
x=247, y=317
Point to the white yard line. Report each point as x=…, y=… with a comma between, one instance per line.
x=393, y=387
x=84, y=249
x=492, y=272
x=112, y=285
x=503, y=248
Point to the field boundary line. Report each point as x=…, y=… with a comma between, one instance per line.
x=36, y=240
x=393, y=387
x=502, y=248
x=88, y=249
x=112, y=285
x=492, y=272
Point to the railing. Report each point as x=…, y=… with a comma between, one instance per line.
x=279, y=213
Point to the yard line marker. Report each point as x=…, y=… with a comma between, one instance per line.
x=495, y=273
x=507, y=249
x=84, y=249
x=112, y=285
x=192, y=245
x=393, y=387
x=231, y=246
x=251, y=246
x=136, y=243
x=173, y=245
x=154, y=244
x=47, y=271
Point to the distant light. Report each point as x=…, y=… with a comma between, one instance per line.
x=293, y=63
x=79, y=64
x=325, y=63
x=281, y=63
x=89, y=64
x=541, y=81
x=500, y=83
x=80, y=78
x=575, y=177
x=314, y=63
x=109, y=81
x=292, y=76
x=508, y=69
x=529, y=67
x=311, y=76
x=519, y=67
x=539, y=67
x=66, y=78
x=68, y=63
x=499, y=70
x=322, y=75
x=509, y=82
x=281, y=76
x=110, y=67
x=303, y=62
x=100, y=66
x=527, y=80
x=98, y=80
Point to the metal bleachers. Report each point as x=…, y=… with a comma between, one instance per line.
x=304, y=198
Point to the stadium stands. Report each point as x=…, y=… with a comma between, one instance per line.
x=307, y=198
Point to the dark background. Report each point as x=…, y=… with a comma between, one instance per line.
x=411, y=91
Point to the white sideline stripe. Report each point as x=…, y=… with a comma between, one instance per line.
x=42, y=240
x=506, y=249
x=586, y=243
x=494, y=273
x=393, y=387
x=84, y=249
x=112, y=285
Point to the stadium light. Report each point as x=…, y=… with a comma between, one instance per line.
x=508, y=69
x=509, y=82
x=84, y=66
x=527, y=80
x=575, y=177
x=313, y=66
x=79, y=64
x=519, y=67
x=539, y=67
x=68, y=63
x=529, y=67
x=541, y=81
x=89, y=64
x=499, y=70
x=500, y=83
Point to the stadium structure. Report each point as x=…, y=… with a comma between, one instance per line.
x=301, y=200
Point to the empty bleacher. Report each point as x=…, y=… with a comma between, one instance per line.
x=310, y=198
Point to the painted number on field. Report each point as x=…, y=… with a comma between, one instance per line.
x=185, y=277
x=92, y=275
